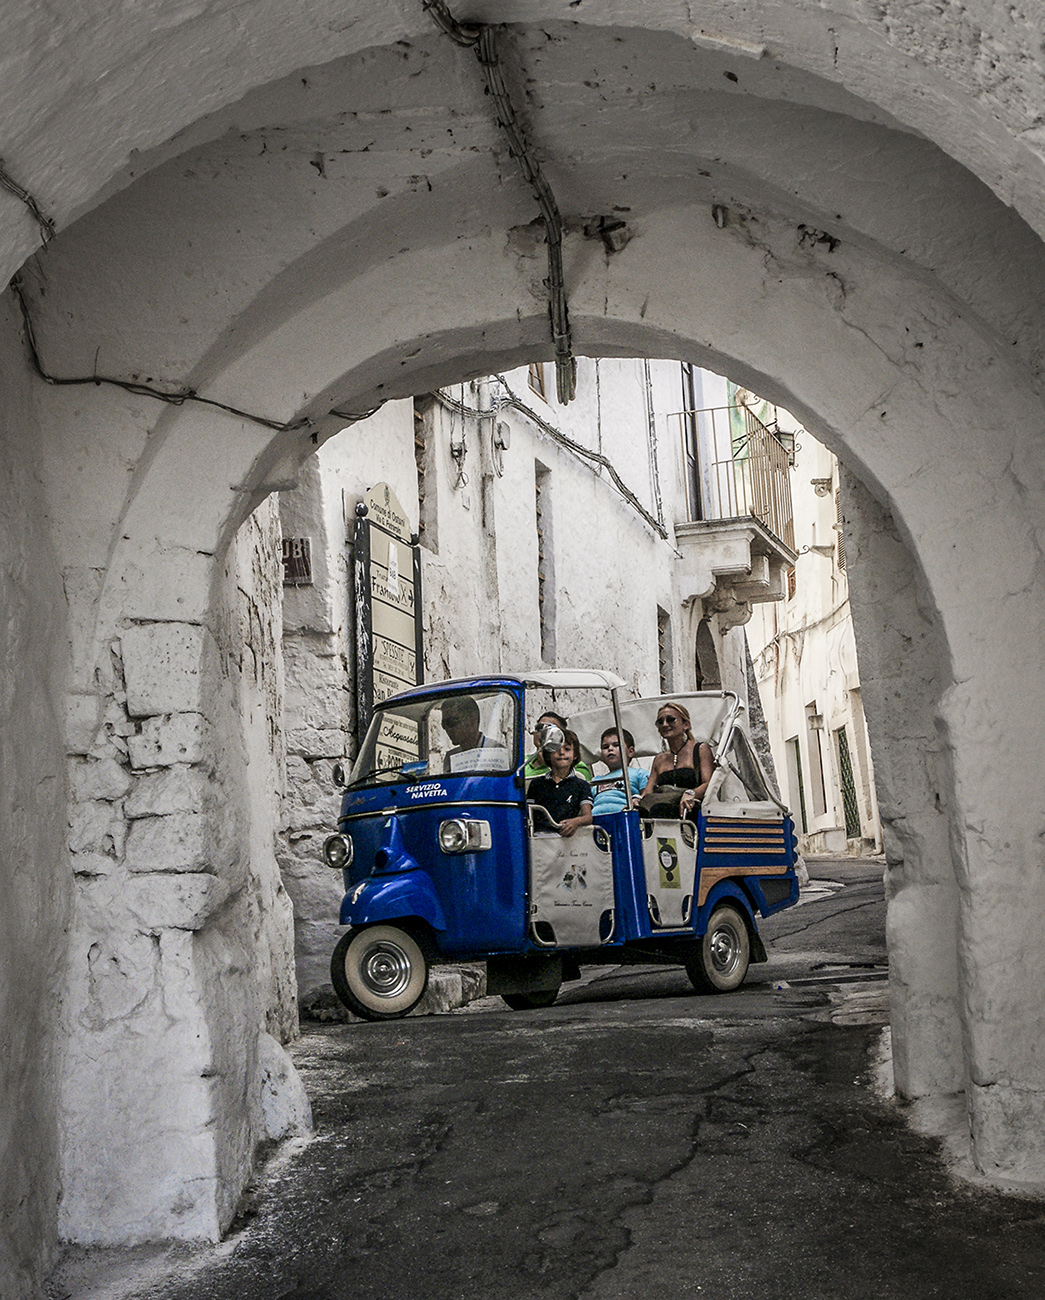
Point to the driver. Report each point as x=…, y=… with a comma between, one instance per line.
x=460, y=718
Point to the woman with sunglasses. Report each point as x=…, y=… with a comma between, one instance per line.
x=685, y=766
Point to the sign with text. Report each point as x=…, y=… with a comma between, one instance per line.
x=397, y=742
x=387, y=570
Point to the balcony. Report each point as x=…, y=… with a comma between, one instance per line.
x=738, y=539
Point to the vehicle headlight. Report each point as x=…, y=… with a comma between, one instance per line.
x=337, y=852
x=464, y=835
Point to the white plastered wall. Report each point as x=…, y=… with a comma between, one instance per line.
x=791, y=330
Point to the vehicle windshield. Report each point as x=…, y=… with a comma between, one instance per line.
x=457, y=733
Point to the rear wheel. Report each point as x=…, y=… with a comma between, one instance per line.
x=720, y=963
x=379, y=972
x=530, y=1001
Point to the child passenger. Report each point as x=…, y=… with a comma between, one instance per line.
x=609, y=791
x=535, y=764
x=564, y=795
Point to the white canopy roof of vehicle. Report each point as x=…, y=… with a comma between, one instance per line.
x=569, y=679
x=709, y=711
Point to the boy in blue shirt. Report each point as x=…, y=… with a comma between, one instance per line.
x=609, y=789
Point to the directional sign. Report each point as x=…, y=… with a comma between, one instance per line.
x=389, y=651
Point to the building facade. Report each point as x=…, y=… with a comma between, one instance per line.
x=804, y=653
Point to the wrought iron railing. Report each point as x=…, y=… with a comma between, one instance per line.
x=736, y=467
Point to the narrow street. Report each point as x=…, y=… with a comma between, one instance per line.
x=634, y=1140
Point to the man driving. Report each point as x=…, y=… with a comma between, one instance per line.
x=460, y=719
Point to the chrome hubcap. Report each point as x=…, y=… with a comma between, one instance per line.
x=725, y=950
x=385, y=969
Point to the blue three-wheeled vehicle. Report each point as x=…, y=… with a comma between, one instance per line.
x=444, y=859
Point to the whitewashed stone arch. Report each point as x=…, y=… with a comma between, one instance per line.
x=936, y=441
x=831, y=258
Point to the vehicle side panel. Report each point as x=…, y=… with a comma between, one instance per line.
x=748, y=859
x=474, y=901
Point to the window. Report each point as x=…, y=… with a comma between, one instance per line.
x=845, y=776
x=473, y=732
x=838, y=527
x=795, y=783
x=706, y=669
x=817, y=791
x=545, y=562
x=791, y=583
x=536, y=379
x=665, y=660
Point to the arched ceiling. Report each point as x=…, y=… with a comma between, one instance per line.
x=93, y=93
x=329, y=175
x=356, y=230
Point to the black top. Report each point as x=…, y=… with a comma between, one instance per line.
x=562, y=800
x=681, y=778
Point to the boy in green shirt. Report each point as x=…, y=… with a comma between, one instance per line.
x=536, y=765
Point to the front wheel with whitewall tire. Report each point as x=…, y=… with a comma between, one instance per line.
x=379, y=972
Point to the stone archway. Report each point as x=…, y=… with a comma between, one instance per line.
x=343, y=237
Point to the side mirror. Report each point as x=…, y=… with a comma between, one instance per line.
x=338, y=776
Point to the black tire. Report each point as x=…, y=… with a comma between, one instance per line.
x=379, y=972
x=720, y=963
x=530, y=1001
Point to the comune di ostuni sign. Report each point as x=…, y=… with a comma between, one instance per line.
x=387, y=566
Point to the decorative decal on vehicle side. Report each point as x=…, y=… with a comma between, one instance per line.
x=668, y=857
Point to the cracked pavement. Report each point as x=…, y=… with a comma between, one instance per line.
x=634, y=1140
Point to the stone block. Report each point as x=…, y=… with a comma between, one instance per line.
x=166, y=582
x=308, y=742
x=176, y=789
x=100, y=779
x=161, y=667
x=160, y=901
x=82, y=587
x=121, y=973
x=284, y=1102
x=179, y=738
x=92, y=864
x=81, y=722
x=94, y=827
x=178, y=842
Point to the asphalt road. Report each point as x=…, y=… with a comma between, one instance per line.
x=634, y=1140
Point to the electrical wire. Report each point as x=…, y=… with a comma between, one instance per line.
x=175, y=397
x=8, y=182
x=578, y=449
x=482, y=37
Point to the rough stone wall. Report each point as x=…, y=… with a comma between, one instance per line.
x=902, y=669
x=179, y=947
x=34, y=884
x=317, y=646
